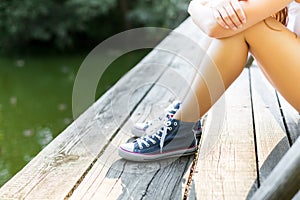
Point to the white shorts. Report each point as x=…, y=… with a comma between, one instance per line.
x=294, y=17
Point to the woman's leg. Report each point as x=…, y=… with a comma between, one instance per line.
x=278, y=53
x=275, y=47
x=176, y=138
x=205, y=44
x=224, y=62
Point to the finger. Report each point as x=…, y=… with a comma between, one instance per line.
x=226, y=18
x=238, y=10
x=219, y=19
x=232, y=16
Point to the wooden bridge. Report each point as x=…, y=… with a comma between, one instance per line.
x=245, y=136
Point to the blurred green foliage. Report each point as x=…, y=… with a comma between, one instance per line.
x=24, y=21
x=166, y=13
x=68, y=24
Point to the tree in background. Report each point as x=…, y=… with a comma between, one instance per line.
x=22, y=21
x=165, y=13
x=60, y=24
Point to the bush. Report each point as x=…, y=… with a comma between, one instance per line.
x=60, y=24
x=166, y=13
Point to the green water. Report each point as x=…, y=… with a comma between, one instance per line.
x=35, y=103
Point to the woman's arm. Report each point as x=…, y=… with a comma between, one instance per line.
x=255, y=10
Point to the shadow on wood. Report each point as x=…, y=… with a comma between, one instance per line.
x=150, y=180
x=270, y=163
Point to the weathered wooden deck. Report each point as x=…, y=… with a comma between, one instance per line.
x=245, y=135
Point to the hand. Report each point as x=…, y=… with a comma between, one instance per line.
x=229, y=14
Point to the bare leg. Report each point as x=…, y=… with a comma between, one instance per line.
x=205, y=44
x=229, y=56
x=278, y=54
x=277, y=51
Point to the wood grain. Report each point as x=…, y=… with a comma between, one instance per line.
x=227, y=167
x=284, y=180
x=114, y=178
x=82, y=162
x=292, y=119
x=271, y=138
x=58, y=167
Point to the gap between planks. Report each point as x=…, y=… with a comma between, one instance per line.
x=112, y=137
x=227, y=167
x=94, y=186
x=71, y=148
x=177, y=64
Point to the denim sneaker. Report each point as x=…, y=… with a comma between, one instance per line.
x=139, y=129
x=174, y=139
x=197, y=129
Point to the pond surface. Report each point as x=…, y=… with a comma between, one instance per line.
x=36, y=100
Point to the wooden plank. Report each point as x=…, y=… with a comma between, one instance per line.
x=194, y=33
x=292, y=119
x=112, y=178
x=284, y=180
x=226, y=168
x=63, y=163
x=297, y=196
x=56, y=169
x=271, y=139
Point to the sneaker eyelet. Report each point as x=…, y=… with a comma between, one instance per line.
x=175, y=123
x=170, y=128
x=148, y=145
x=141, y=147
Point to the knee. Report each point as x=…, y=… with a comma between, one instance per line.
x=265, y=27
x=270, y=24
x=273, y=24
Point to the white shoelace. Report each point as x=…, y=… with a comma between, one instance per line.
x=164, y=131
x=171, y=110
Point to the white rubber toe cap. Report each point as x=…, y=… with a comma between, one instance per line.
x=139, y=129
x=142, y=126
x=127, y=147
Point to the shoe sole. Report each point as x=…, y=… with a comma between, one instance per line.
x=153, y=157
